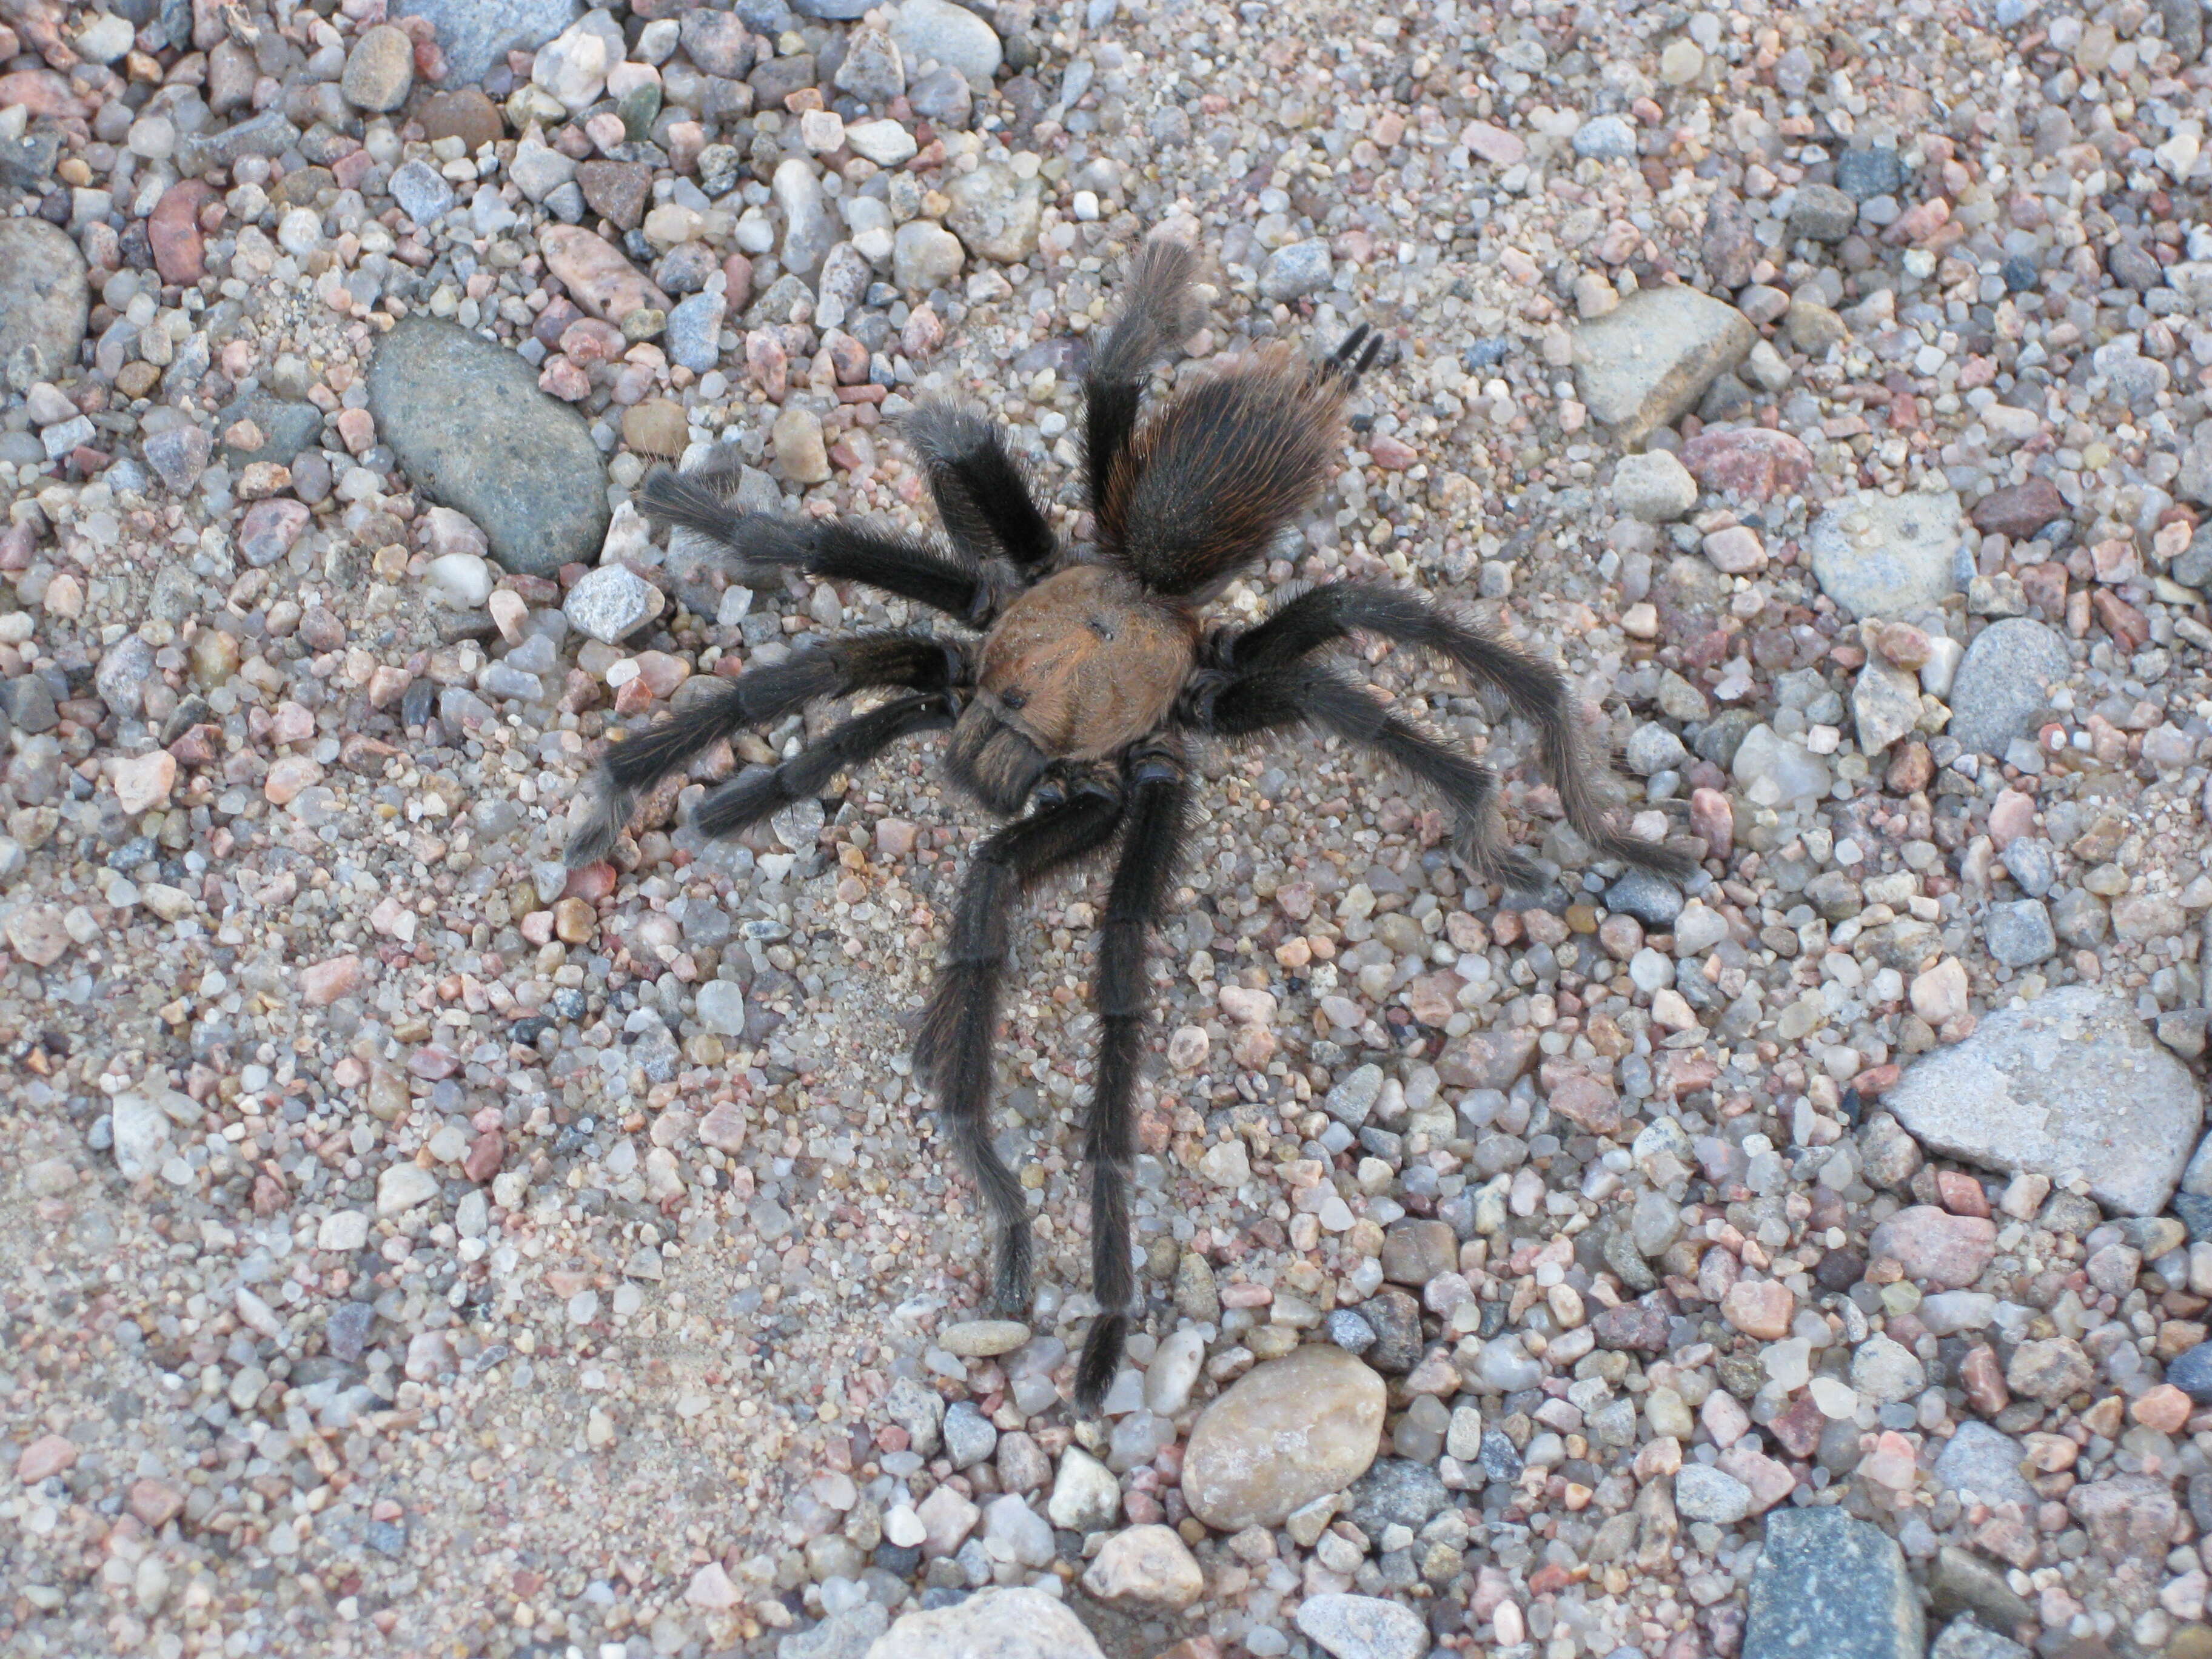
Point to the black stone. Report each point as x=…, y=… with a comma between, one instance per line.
x=2020, y=274
x=1500, y=1458
x=1395, y=1318
x=1349, y=1331
x=2195, y=1212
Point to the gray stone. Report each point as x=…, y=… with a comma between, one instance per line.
x=1829, y=1585
x=421, y=191
x=846, y=1635
x=1823, y=213
x=694, y=332
x=721, y=1007
x=993, y=1624
x=1295, y=271
x=1863, y=174
x=2072, y=1084
x=1885, y=1370
x=995, y=212
x=808, y=229
x=1961, y=1581
x=2004, y=682
x=1647, y=362
x=2190, y=1371
x=269, y=133
x=1884, y=556
x=347, y=1330
x=1704, y=1493
x=937, y=31
x=920, y=1410
x=287, y=426
x=612, y=603
x=1653, y=486
x=1363, y=1626
x=925, y=256
x=969, y=1436
x=2019, y=934
x=2193, y=567
x=1606, y=138
x=381, y=69
x=1977, y=1459
x=476, y=35
x=874, y=70
x=1651, y=899
x=141, y=1132
x=1396, y=1493
x=1085, y=1496
x=1351, y=1100
x=1965, y=1639
x=468, y=424
x=179, y=454
x=44, y=302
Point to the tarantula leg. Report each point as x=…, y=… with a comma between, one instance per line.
x=1315, y=695
x=1356, y=355
x=1158, y=310
x=1535, y=688
x=732, y=808
x=760, y=544
x=952, y=1050
x=1150, y=845
x=982, y=498
x=637, y=760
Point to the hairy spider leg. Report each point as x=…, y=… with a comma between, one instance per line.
x=640, y=758
x=982, y=498
x=1315, y=695
x=733, y=807
x=952, y=1049
x=1158, y=310
x=1151, y=844
x=762, y=543
x=1535, y=688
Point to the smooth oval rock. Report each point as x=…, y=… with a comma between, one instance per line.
x=1292, y=1430
x=2005, y=682
x=469, y=427
x=44, y=298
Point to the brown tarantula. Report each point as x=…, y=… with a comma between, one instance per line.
x=1094, y=665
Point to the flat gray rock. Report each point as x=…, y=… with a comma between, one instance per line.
x=1829, y=1585
x=1885, y=555
x=2004, y=682
x=475, y=35
x=991, y=1624
x=44, y=300
x=1645, y=364
x=1363, y=1626
x=2071, y=1085
x=469, y=425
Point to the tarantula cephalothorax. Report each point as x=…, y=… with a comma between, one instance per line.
x=1092, y=667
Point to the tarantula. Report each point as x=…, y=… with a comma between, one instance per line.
x=1094, y=665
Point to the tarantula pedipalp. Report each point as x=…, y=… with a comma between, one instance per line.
x=1093, y=667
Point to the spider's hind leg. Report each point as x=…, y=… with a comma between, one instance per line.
x=952, y=1049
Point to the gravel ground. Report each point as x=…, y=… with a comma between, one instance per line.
x=420, y=1249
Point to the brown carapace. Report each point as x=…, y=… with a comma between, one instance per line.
x=1094, y=670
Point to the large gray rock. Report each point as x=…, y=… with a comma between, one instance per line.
x=940, y=32
x=44, y=300
x=2071, y=1085
x=475, y=35
x=1829, y=1585
x=2005, y=682
x=994, y=1623
x=472, y=430
x=1363, y=1627
x=1886, y=556
x=1645, y=364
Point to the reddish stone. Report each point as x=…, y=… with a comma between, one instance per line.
x=49, y=1455
x=155, y=1503
x=41, y=91
x=1983, y=1379
x=1749, y=461
x=432, y=1063
x=486, y=1153
x=1713, y=818
x=1961, y=1194
x=2020, y=510
x=1799, y=1428
x=174, y=231
x=2122, y=621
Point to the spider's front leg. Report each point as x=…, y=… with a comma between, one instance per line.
x=1075, y=813
x=1159, y=793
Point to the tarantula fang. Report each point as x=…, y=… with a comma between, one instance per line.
x=1073, y=709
